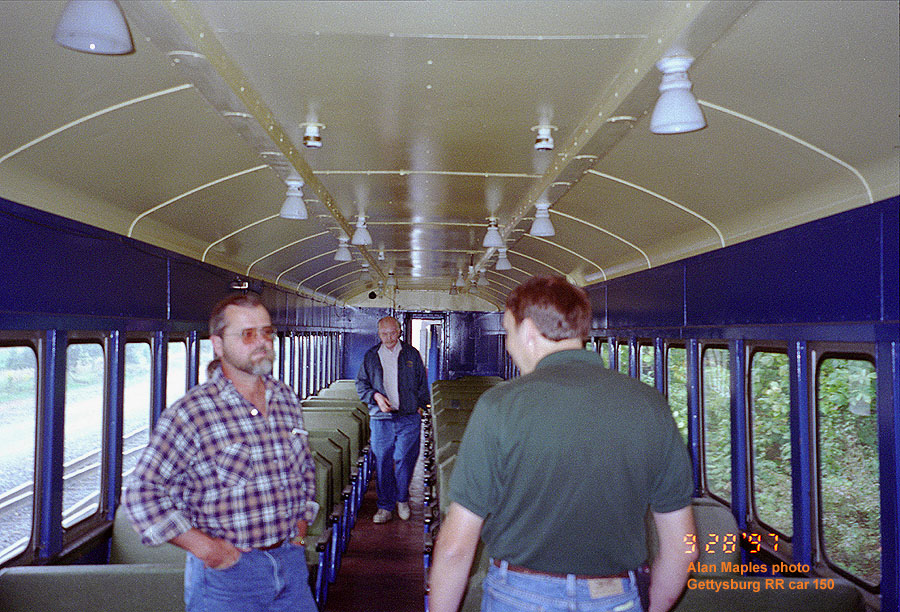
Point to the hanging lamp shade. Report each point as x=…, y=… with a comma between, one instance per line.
x=676, y=111
x=343, y=252
x=502, y=260
x=293, y=207
x=542, y=225
x=492, y=237
x=391, y=281
x=361, y=236
x=94, y=26
x=460, y=281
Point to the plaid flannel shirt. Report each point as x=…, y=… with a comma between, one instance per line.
x=216, y=463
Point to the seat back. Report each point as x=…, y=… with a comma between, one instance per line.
x=126, y=546
x=718, y=538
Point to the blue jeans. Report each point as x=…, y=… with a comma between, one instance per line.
x=261, y=581
x=506, y=591
x=395, y=443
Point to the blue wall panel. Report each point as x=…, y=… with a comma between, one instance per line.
x=196, y=288
x=362, y=328
x=53, y=266
x=654, y=297
x=891, y=255
x=843, y=268
x=826, y=270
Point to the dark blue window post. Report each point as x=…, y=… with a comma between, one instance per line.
x=51, y=421
x=115, y=393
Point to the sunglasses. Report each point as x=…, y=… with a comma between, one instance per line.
x=249, y=335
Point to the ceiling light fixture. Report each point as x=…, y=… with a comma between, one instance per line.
x=544, y=139
x=542, y=225
x=343, y=252
x=502, y=260
x=482, y=280
x=492, y=237
x=366, y=275
x=294, y=207
x=460, y=281
x=361, y=236
x=312, y=135
x=676, y=110
x=392, y=280
x=94, y=26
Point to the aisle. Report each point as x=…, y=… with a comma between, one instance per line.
x=382, y=570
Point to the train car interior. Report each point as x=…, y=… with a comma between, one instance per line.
x=722, y=177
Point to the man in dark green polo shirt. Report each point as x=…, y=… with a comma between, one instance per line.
x=556, y=471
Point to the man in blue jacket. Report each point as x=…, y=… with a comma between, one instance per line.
x=393, y=383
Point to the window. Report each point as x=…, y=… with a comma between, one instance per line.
x=276, y=346
x=676, y=386
x=646, y=364
x=623, y=356
x=770, y=399
x=83, y=438
x=176, y=376
x=18, y=419
x=848, y=465
x=717, y=421
x=604, y=351
x=136, y=424
x=206, y=355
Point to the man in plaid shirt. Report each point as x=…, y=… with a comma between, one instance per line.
x=228, y=476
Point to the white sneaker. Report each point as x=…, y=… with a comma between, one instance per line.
x=403, y=511
x=382, y=516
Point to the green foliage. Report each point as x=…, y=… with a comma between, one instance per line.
x=18, y=373
x=770, y=414
x=677, y=387
x=848, y=460
x=646, y=354
x=717, y=420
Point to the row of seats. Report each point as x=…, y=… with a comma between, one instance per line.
x=139, y=578
x=338, y=426
x=452, y=404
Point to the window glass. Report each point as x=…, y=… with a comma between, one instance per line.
x=623, y=357
x=206, y=355
x=18, y=418
x=83, y=439
x=771, y=448
x=276, y=347
x=176, y=377
x=848, y=463
x=604, y=352
x=646, y=354
x=717, y=421
x=676, y=386
x=138, y=368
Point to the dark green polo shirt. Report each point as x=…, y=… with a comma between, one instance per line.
x=563, y=462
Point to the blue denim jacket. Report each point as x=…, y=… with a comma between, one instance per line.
x=412, y=382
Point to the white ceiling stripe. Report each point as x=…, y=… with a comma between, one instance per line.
x=234, y=233
x=800, y=141
x=607, y=232
x=287, y=246
x=570, y=251
x=192, y=191
x=94, y=115
x=664, y=199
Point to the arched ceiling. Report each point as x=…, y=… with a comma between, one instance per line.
x=428, y=109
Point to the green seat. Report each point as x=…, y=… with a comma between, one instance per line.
x=126, y=546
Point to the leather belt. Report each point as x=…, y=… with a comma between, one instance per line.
x=524, y=570
x=272, y=546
